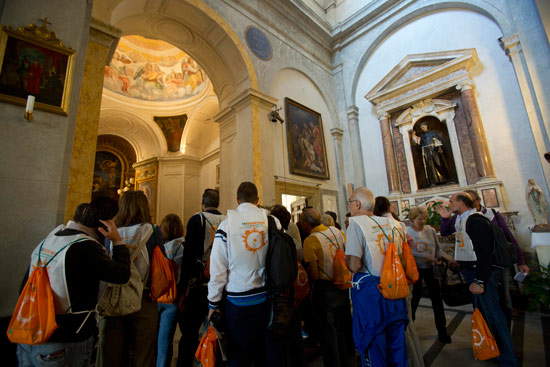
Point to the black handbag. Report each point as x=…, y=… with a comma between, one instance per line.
x=456, y=294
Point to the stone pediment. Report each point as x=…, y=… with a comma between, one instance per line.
x=418, y=70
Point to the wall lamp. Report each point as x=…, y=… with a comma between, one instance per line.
x=274, y=115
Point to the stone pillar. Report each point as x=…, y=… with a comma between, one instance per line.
x=246, y=137
x=101, y=45
x=389, y=154
x=476, y=130
x=513, y=49
x=356, y=152
x=337, y=134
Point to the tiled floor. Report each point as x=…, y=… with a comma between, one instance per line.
x=532, y=346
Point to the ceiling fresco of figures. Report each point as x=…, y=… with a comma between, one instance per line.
x=153, y=70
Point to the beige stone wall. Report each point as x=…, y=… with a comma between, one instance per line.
x=35, y=155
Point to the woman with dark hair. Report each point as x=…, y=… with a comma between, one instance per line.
x=131, y=339
x=171, y=229
x=382, y=207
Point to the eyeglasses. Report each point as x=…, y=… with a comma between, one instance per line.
x=352, y=200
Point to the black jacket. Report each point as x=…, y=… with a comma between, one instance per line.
x=479, y=229
x=86, y=264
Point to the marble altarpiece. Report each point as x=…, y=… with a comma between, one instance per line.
x=449, y=153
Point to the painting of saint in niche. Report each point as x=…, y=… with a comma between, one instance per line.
x=432, y=154
x=107, y=173
x=306, y=143
x=30, y=69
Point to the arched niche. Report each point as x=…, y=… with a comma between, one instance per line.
x=439, y=114
x=114, y=159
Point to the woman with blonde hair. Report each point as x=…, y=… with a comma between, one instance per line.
x=426, y=251
x=130, y=340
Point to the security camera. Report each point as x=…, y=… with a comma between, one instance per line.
x=274, y=116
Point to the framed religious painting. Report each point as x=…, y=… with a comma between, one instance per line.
x=34, y=62
x=307, y=154
x=490, y=198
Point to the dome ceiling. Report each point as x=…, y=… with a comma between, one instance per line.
x=153, y=70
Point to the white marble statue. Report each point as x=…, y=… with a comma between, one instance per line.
x=538, y=206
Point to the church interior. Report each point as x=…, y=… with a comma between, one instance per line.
x=308, y=99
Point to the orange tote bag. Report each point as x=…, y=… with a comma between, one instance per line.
x=484, y=345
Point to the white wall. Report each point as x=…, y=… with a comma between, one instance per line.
x=506, y=125
x=295, y=85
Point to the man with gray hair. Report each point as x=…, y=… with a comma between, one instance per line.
x=378, y=323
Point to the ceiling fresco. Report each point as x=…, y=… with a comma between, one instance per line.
x=153, y=70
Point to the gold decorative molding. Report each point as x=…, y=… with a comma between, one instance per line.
x=42, y=33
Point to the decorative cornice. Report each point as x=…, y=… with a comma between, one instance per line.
x=337, y=133
x=511, y=44
x=41, y=33
x=353, y=113
x=426, y=107
x=382, y=115
x=450, y=61
x=464, y=85
x=244, y=99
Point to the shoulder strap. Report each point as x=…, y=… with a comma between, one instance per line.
x=57, y=253
x=333, y=243
x=207, y=221
x=379, y=226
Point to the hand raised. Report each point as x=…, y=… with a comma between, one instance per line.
x=111, y=232
x=443, y=210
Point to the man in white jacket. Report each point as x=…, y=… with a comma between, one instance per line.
x=237, y=282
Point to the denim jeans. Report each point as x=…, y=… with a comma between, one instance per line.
x=77, y=354
x=167, y=328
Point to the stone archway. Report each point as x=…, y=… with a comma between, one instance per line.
x=204, y=35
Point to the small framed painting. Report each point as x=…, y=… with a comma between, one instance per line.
x=34, y=62
x=394, y=207
x=490, y=198
x=307, y=153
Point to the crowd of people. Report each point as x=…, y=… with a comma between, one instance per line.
x=108, y=312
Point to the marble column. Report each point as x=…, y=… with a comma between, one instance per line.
x=513, y=49
x=102, y=42
x=476, y=130
x=337, y=134
x=389, y=154
x=356, y=151
x=245, y=133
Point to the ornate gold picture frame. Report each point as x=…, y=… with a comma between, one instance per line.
x=307, y=153
x=33, y=61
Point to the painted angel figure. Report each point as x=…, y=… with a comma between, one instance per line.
x=536, y=201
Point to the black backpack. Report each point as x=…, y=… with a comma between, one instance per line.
x=281, y=269
x=281, y=261
x=504, y=253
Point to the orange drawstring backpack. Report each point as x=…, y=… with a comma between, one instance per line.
x=163, y=277
x=33, y=319
x=393, y=281
x=484, y=344
x=341, y=276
